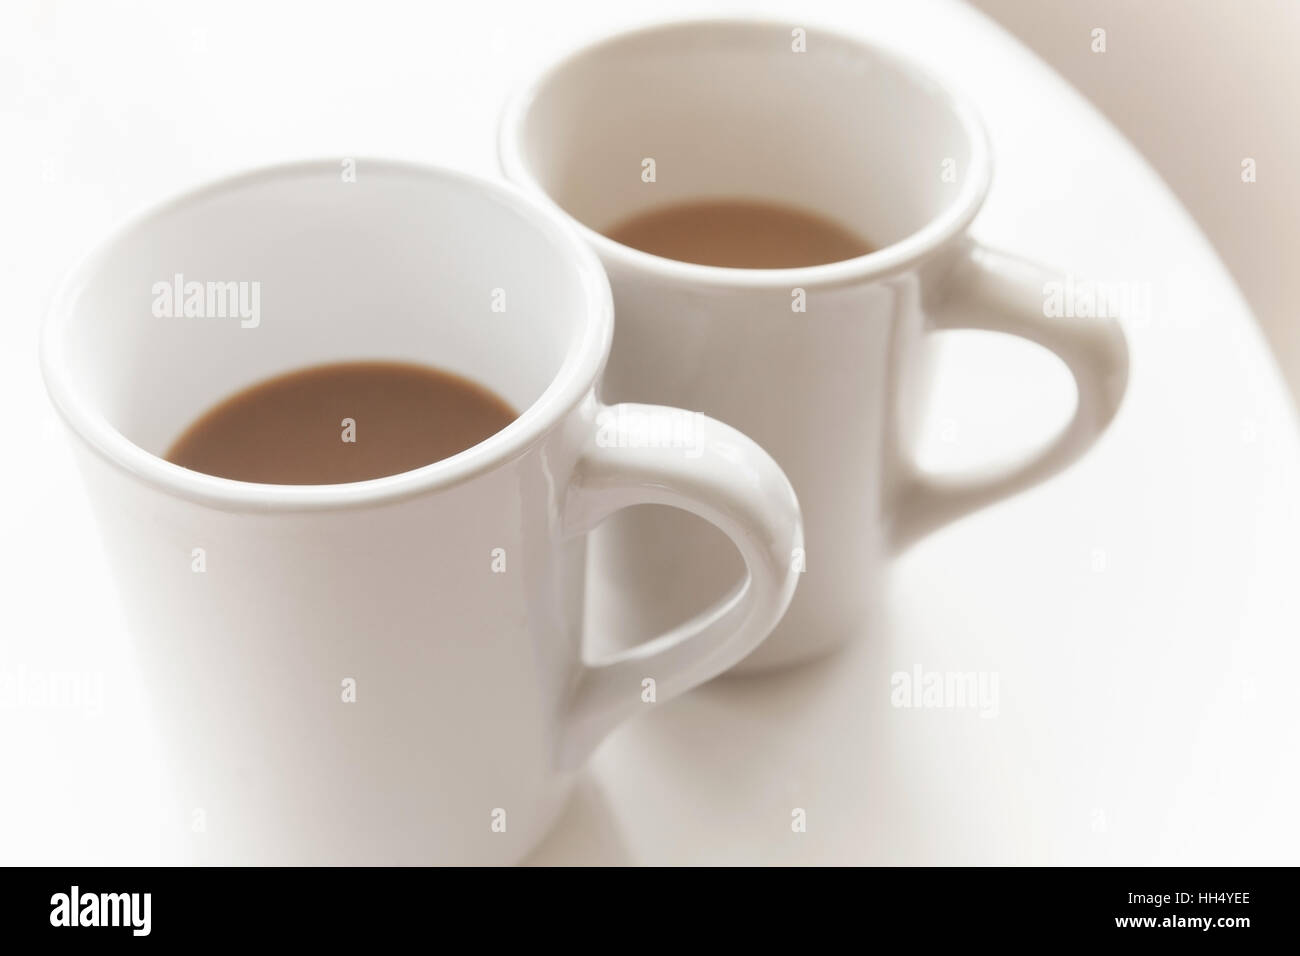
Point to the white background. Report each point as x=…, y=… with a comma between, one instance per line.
x=1197, y=85
x=1139, y=610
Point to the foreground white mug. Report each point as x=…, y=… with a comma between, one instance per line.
x=387, y=671
x=821, y=365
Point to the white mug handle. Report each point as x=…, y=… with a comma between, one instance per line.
x=998, y=292
x=721, y=476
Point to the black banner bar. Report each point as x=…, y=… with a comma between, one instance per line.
x=210, y=906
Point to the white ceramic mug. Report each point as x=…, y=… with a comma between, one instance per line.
x=853, y=132
x=387, y=671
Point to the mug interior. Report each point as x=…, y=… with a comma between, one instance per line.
x=729, y=110
x=297, y=266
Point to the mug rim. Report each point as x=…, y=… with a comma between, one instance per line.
x=585, y=358
x=950, y=222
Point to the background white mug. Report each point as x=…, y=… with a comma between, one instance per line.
x=836, y=126
x=387, y=671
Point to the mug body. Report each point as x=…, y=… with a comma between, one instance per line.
x=361, y=673
x=821, y=365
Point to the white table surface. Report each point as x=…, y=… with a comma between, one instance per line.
x=1139, y=611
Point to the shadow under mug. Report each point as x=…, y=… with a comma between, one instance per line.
x=387, y=671
x=822, y=365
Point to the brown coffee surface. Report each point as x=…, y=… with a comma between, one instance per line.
x=290, y=430
x=739, y=234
